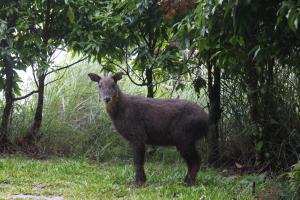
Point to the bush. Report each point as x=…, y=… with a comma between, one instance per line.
x=294, y=176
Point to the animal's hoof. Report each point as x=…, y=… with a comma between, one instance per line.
x=140, y=179
x=189, y=182
x=139, y=184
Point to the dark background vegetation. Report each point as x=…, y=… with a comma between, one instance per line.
x=238, y=59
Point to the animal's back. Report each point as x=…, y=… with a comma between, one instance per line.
x=165, y=121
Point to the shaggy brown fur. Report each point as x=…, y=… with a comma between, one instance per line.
x=144, y=121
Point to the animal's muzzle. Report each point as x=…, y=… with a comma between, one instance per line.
x=106, y=99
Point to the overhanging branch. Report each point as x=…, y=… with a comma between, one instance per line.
x=25, y=96
x=126, y=72
x=67, y=66
x=56, y=78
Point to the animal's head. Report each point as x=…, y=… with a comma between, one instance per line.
x=108, y=88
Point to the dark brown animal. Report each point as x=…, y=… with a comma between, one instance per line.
x=144, y=121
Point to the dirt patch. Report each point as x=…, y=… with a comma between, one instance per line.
x=5, y=185
x=40, y=187
x=39, y=197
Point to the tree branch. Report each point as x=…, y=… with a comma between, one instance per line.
x=126, y=72
x=141, y=78
x=135, y=38
x=67, y=66
x=34, y=77
x=144, y=38
x=25, y=96
x=56, y=79
x=112, y=62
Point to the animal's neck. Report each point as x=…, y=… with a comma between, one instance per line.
x=114, y=106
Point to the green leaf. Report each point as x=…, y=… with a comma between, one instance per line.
x=256, y=53
x=20, y=66
x=259, y=145
x=16, y=89
x=71, y=15
x=199, y=83
x=180, y=86
x=296, y=23
x=297, y=166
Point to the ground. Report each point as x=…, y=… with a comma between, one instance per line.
x=84, y=179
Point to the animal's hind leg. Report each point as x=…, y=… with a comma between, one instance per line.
x=138, y=158
x=191, y=157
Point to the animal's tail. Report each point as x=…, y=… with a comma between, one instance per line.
x=203, y=126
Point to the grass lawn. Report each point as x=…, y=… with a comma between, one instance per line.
x=84, y=179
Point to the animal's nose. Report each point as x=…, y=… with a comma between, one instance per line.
x=107, y=99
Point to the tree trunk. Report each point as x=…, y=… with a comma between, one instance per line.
x=149, y=78
x=8, y=70
x=253, y=95
x=253, y=91
x=38, y=116
x=150, y=94
x=214, y=90
x=270, y=133
x=32, y=136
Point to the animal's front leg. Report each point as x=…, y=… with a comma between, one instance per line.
x=138, y=158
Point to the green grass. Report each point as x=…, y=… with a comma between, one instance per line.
x=84, y=179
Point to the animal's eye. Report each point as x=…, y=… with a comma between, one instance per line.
x=114, y=85
x=100, y=85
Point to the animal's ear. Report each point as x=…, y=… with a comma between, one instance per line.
x=94, y=77
x=117, y=76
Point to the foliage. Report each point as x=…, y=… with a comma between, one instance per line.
x=295, y=178
x=9, y=41
x=39, y=28
x=32, y=32
x=256, y=52
x=175, y=8
x=133, y=38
